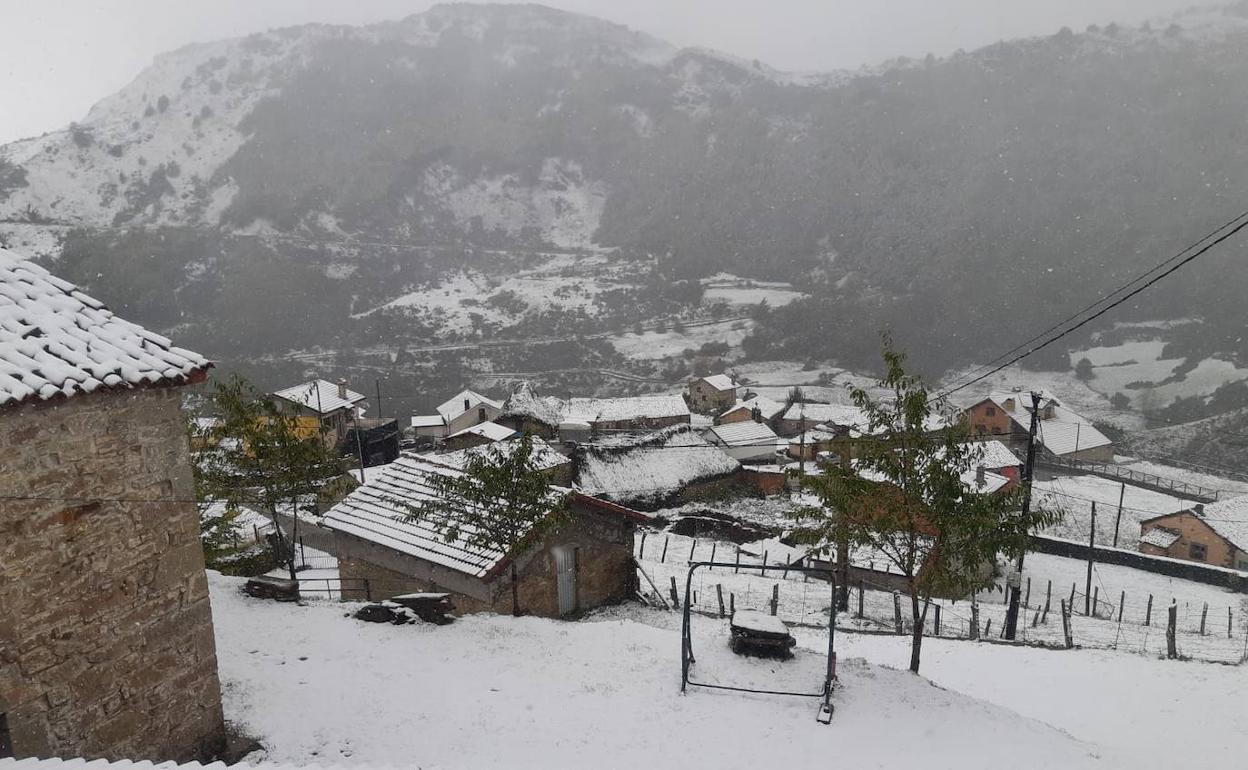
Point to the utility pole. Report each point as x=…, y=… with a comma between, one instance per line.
x=1118, y=519
x=1087, y=590
x=377, y=382
x=842, y=539
x=1011, y=614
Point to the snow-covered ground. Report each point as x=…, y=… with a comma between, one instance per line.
x=1070, y=390
x=1123, y=368
x=317, y=686
x=1073, y=495
x=653, y=345
x=732, y=290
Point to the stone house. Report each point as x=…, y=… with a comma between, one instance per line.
x=106, y=640
x=462, y=410
x=629, y=413
x=757, y=409
x=477, y=435
x=1214, y=534
x=671, y=466
x=838, y=418
x=321, y=407
x=713, y=394
x=584, y=562
x=1060, y=432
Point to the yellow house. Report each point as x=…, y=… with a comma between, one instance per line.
x=321, y=407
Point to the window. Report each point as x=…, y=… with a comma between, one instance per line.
x=481, y=415
x=1196, y=551
x=991, y=411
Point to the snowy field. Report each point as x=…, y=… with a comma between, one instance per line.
x=1073, y=495
x=1117, y=368
x=733, y=290
x=319, y=687
x=1072, y=392
x=654, y=345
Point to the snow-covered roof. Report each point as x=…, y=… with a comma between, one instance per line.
x=1021, y=400
x=816, y=435
x=992, y=482
x=1161, y=538
x=464, y=401
x=760, y=622
x=720, y=382
x=524, y=402
x=1063, y=436
x=655, y=470
x=766, y=407
x=428, y=421
x=594, y=410
x=56, y=341
x=321, y=396
x=381, y=511
x=487, y=430
x=544, y=456
x=1229, y=518
x=842, y=415
x=748, y=433
x=996, y=455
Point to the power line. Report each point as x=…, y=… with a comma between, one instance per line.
x=1166, y=271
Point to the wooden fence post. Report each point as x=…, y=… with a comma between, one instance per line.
x=1066, y=633
x=860, y=592
x=1148, y=613
x=937, y=619
x=785, y=575
x=1071, y=603
x=775, y=597
x=675, y=594
x=693, y=547
x=1048, y=594
x=663, y=558
x=1096, y=597
x=1172, y=619
x=1027, y=596
x=897, y=612
x=732, y=603
x=988, y=629
x=1228, y=622
x=762, y=571
x=719, y=594
x=641, y=552
x=1122, y=600
x=1204, y=613
x=1035, y=619
x=974, y=618
x=737, y=567
x=714, y=544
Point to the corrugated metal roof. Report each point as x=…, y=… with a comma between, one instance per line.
x=747, y=433
x=489, y=430
x=1161, y=538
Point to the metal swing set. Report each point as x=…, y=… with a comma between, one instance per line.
x=824, y=715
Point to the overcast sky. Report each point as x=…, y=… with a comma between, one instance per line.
x=58, y=57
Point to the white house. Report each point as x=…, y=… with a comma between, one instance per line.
x=463, y=410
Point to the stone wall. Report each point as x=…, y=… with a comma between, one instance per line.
x=106, y=642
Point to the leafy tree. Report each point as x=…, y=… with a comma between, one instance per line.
x=502, y=501
x=1120, y=401
x=906, y=498
x=260, y=458
x=1083, y=370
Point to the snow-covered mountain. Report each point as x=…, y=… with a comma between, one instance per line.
x=270, y=193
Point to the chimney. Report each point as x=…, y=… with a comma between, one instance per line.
x=342, y=389
x=1200, y=509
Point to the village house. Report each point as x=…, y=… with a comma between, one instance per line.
x=1060, y=432
x=106, y=638
x=484, y=433
x=809, y=444
x=584, y=562
x=321, y=407
x=1214, y=534
x=746, y=442
x=996, y=458
x=804, y=415
x=463, y=410
x=713, y=394
x=627, y=412
x=758, y=409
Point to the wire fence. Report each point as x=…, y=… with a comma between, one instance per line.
x=878, y=603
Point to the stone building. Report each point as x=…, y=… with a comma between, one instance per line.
x=584, y=562
x=713, y=394
x=1214, y=534
x=106, y=641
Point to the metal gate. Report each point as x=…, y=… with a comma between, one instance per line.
x=565, y=579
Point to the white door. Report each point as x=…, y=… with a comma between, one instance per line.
x=565, y=579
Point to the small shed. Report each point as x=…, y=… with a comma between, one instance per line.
x=380, y=439
x=585, y=562
x=485, y=433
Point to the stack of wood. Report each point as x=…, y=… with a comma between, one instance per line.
x=757, y=633
x=429, y=607
x=266, y=587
